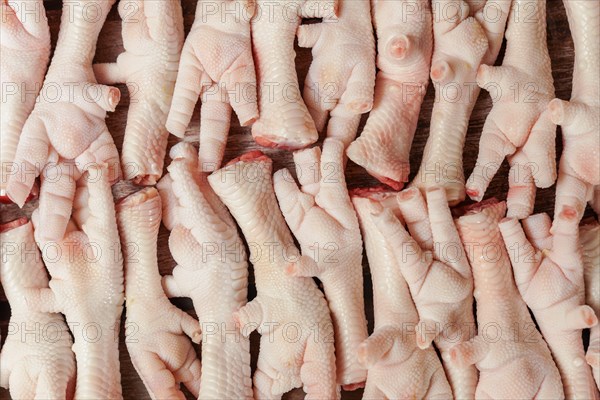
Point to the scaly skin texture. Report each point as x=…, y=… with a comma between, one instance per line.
x=323, y=220
x=65, y=134
x=405, y=44
x=341, y=78
x=589, y=235
x=217, y=65
x=212, y=270
x=152, y=36
x=160, y=351
x=36, y=360
x=434, y=265
x=86, y=267
x=579, y=119
x=548, y=270
x=508, y=347
x=464, y=37
x=519, y=121
x=398, y=369
x=284, y=120
x=25, y=47
x=289, y=312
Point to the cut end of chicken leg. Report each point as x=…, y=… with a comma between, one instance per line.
x=278, y=142
x=379, y=163
x=33, y=194
x=136, y=198
x=13, y=224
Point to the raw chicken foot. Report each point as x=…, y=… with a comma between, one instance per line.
x=217, y=65
x=160, y=351
x=25, y=47
x=508, y=347
x=434, y=265
x=579, y=119
x=284, y=120
x=341, y=77
x=590, y=243
x=548, y=271
x=398, y=369
x=289, y=312
x=404, y=31
x=36, y=360
x=65, y=134
x=519, y=121
x=152, y=37
x=323, y=220
x=87, y=285
x=464, y=37
x=212, y=270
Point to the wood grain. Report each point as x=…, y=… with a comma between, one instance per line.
x=240, y=141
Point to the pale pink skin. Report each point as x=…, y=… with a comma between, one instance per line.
x=217, y=66
x=465, y=36
x=212, y=270
x=432, y=260
x=160, y=349
x=284, y=120
x=589, y=234
x=321, y=217
x=66, y=134
x=87, y=285
x=405, y=44
x=397, y=368
x=40, y=345
x=548, y=271
x=25, y=46
x=152, y=36
x=519, y=122
x=508, y=347
x=302, y=355
x=579, y=169
x=341, y=78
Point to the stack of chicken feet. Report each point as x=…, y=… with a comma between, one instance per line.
x=482, y=301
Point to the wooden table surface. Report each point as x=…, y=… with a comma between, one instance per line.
x=110, y=45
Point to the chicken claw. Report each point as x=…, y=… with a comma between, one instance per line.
x=519, y=121
x=341, y=78
x=398, y=369
x=508, y=346
x=465, y=36
x=152, y=37
x=25, y=47
x=290, y=313
x=36, y=360
x=284, y=120
x=590, y=243
x=434, y=264
x=86, y=267
x=65, y=134
x=160, y=351
x=213, y=271
x=579, y=168
x=405, y=43
x=323, y=220
x=549, y=271
x=216, y=64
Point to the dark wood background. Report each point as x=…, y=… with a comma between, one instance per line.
x=110, y=45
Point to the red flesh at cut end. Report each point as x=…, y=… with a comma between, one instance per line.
x=367, y=192
x=474, y=208
x=4, y=199
x=263, y=141
x=255, y=155
x=13, y=224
